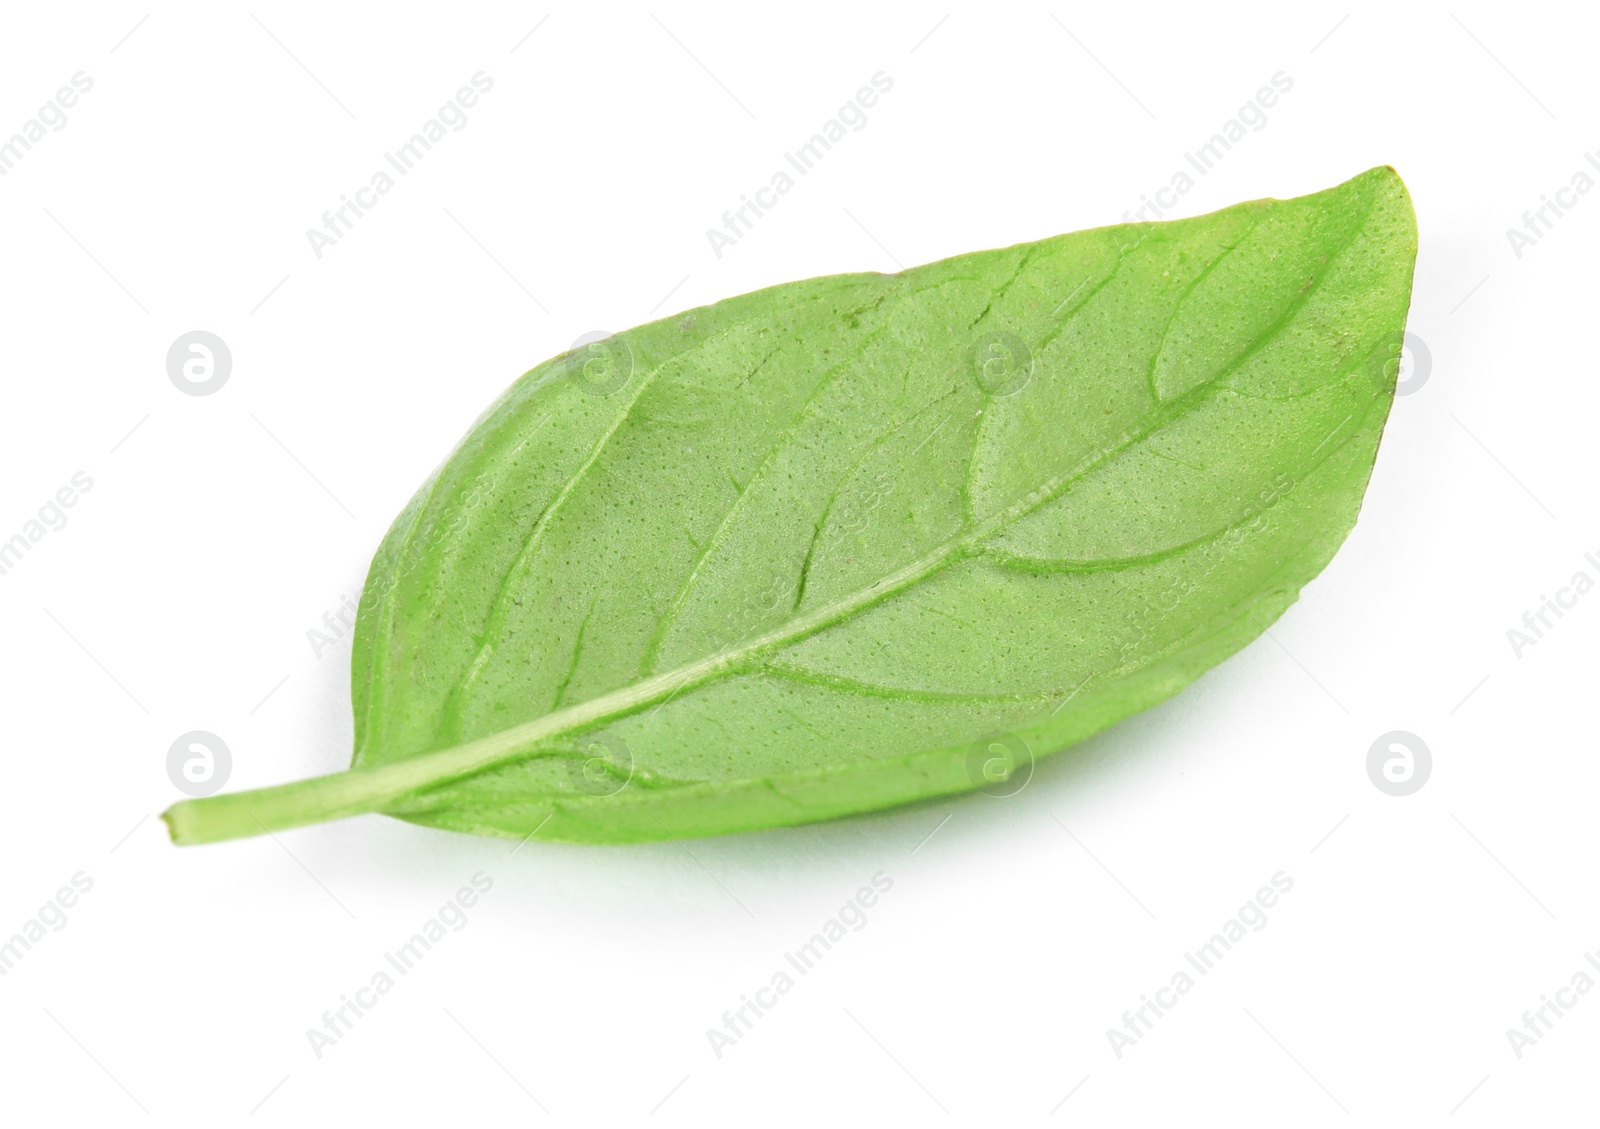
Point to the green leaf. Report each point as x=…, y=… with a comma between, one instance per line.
x=861, y=540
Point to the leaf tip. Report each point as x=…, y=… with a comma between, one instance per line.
x=1386, y=176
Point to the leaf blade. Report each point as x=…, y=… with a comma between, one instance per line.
x=806, y=553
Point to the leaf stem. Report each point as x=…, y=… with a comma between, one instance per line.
x=259, y=811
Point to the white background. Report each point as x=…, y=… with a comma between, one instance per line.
x=219, y=529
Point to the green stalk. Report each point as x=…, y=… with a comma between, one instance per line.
x=240, y=815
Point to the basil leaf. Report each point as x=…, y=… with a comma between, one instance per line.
x=861, y=540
